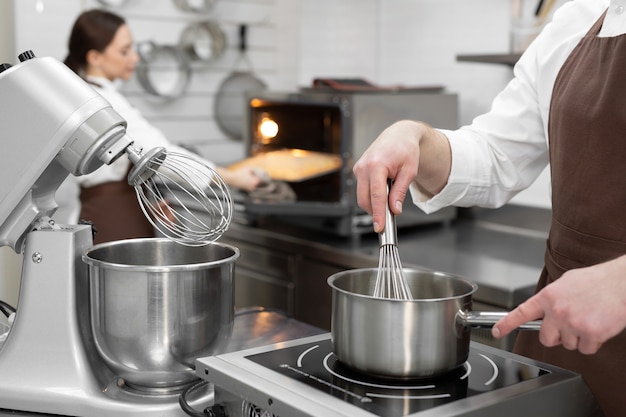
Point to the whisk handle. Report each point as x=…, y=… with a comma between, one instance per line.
x=389, y=235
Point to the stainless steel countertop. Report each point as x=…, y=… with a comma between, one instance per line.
x=502, y=250
x=253, y=327
x=258, y=326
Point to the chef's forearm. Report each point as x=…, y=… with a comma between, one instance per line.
x=435, y=160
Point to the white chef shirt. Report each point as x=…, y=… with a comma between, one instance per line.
x=139, y=130
x=503, y=151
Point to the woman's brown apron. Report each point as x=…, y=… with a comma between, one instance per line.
x=114, y=211
x=587, y=133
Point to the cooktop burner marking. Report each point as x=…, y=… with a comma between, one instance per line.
x=468, y=367
x=411, y=397
x=495, y=370
x=299, y=362
x=370, y=384
x=479, y=377
x=333, y=386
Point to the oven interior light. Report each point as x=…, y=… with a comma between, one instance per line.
x=268, y=129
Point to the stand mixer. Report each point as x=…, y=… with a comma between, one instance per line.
x=54, y=124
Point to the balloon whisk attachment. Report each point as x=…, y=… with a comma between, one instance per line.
x=184, y=198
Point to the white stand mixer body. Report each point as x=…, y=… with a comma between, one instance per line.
x=52, y=124
x=49, y=363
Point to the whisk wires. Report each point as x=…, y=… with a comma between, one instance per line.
x=185, y=199
x=390, y=280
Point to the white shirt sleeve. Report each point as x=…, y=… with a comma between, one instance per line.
x=504, y=150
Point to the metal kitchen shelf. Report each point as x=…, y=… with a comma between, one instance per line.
x=502, y=59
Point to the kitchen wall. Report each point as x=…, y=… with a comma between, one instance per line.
x=389, y=42
x=291, y=42
x=414, y=42
x=409, y=42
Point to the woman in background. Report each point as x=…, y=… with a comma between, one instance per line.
x=101, y=52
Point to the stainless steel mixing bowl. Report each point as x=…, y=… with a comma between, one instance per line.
x=157, y=305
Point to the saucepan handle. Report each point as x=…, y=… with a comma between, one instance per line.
x=489, y=318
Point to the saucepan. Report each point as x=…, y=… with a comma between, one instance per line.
x=424, y=337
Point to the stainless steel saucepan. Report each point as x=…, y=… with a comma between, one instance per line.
x=423, y=337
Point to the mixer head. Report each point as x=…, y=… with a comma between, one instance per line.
x=52, y=124
x=56, y=124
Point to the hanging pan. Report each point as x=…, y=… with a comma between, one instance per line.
x=112, y=3
x=230, y=101
x=203, y=41
x=163, y=70
x=195, y=6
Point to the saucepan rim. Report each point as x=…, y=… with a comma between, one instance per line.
x=472, y=286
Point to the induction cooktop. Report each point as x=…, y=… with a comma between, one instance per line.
x=304, y=378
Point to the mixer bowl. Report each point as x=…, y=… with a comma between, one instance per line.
x=157, y=305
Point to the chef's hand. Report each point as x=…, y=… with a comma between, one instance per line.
x=403, y=150
x=581, y=310
x=165, y=211
x=245, y=178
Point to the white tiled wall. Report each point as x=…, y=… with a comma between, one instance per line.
x=410, y=42
x=413, y=42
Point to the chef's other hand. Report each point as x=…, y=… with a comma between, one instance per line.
x=245, y=178
x=397, y=154
x=581, y=310
x=164, y=212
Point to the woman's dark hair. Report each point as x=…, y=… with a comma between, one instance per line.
x=93, y=29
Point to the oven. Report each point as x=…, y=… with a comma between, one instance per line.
x=311, y=139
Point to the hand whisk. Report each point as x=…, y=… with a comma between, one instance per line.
x=184, y=199
x=390, y=280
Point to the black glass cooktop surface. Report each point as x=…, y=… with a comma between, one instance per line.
x=315, y=365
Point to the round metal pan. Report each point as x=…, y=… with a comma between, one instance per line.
x=230, y=101
x=163, y=70
x=203, y=41
x=196, y=6
x=113, y=3
x=423, y=337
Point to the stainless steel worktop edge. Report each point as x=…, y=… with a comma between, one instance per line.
x=502, y=250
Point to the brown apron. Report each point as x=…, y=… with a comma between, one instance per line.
x=587, y=133
x=114, y=211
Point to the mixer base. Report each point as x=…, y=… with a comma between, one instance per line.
x=48, y=363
